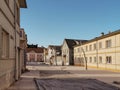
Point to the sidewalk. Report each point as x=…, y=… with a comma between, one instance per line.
x=26, y=82
x=41, y=72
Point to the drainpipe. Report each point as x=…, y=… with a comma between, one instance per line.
x=16, y=78
x=97, y=53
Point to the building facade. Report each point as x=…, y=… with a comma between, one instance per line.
x=10, y=41
x=35, y=53
x=45, y=55
x=23, y=46
x=100, y=52
x=54, y=55
x=68, y=50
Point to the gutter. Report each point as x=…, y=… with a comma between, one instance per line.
x=15, y=38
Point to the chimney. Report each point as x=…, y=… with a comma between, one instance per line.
x=102, y=33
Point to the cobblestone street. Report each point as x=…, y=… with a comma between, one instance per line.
x=44, y=77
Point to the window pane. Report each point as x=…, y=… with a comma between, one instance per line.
x=5, y=43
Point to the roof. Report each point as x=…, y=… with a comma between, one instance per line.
x=104, y=36
x=23, y=3
x=73, y=42
x=57, y=48
x=37, y=50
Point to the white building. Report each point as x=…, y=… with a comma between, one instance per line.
x=54, y=55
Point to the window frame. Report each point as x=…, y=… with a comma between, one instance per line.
x=95, y=60
x=86, y=48
x=108, y=59
x=95, y=46
x=100, y=59
x=4, y=44
x=90, y=59
x=108, y=43
x=90, y=47
x=100, y=45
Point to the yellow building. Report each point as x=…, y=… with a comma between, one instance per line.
x=10, y=41
x=101, y=52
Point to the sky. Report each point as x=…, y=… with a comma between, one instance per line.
x=49, y=22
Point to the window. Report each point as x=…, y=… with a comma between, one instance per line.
x=95, y=60
x=32, y=57
x=100, y=59
x=78, y=49
x=90, y=60
x=86, y=48
x=20, y=33
x=95, y=46
x=18, y=14
x=75, y=50
x=5, y=43
x=90, y=47
x=108, y=43
x=109, y=59
x=100, y=45
x=51, y=52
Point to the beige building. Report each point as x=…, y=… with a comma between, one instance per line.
x=10, y=41
x=45, y=55
x=23, y=46
x=101, y=52
x=54, y=55
x=68, y=50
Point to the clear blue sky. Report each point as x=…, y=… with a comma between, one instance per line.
x=48, y=22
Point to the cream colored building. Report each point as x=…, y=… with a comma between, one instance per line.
x=45, y=55
x=23, y=46
x=68, y=50
x=10, y=41
x=101, y=52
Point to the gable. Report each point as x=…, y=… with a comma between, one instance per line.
x=65, y=45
